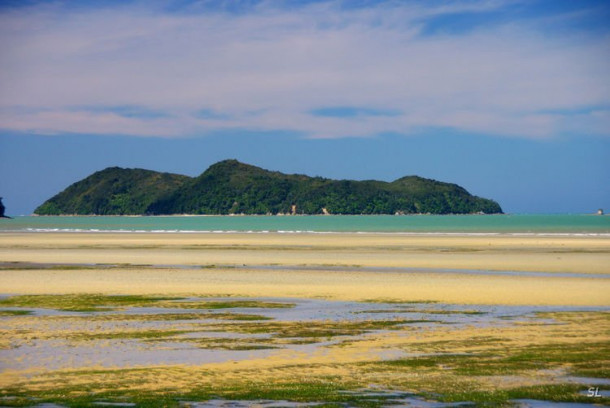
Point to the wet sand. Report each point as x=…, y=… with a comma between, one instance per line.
x=555, y=291
x=227, y=258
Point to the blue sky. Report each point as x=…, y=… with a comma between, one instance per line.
x=509, y=98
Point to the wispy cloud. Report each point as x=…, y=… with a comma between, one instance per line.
x=212, y=114
x=352, y=112
x=321, y=69
x=125, y=111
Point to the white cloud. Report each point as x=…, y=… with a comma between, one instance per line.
x=268, y=68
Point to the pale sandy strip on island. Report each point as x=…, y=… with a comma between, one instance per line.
x=500, y=253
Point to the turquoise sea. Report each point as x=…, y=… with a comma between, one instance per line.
x=412, y=224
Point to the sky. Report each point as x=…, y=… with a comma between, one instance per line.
x=508, y=98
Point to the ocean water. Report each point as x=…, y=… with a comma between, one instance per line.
x=411, y=224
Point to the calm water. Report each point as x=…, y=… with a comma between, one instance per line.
x=420, y=224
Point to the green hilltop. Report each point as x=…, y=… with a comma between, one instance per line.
x=231, y=187
x=113, y=191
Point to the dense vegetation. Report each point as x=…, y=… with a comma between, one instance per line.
x=113, y=191
x=231, y=187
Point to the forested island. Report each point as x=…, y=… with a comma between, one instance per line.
x=231, y=187
x=2, y=208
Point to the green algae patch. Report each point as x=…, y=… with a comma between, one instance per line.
x=5, y=313
x=319, y=329
x=161, y=317
x=228, y=304
x=131, y=334
x=545, y=392
x=575, y=358
x=84, y=302
x=399, y=302
x=324, y=392
x=422, y=311
x=101, y=303
x=220, y=343
x=125, y=387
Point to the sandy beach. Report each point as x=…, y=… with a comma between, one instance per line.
x=550, y=270
x=301, y=317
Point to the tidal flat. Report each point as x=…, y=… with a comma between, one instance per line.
x=218, y=329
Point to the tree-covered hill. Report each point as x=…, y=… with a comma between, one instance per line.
x=231, y=187
x=113, y=191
